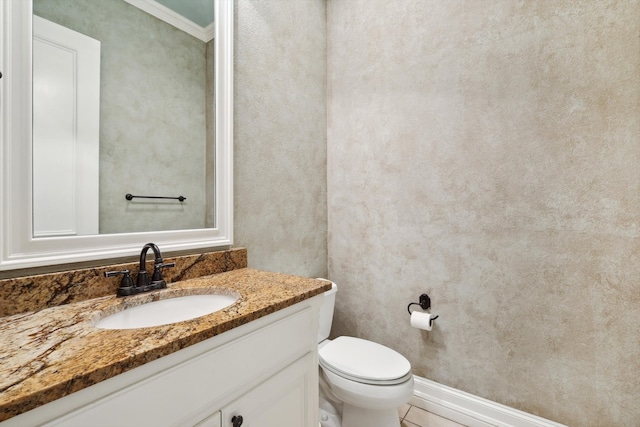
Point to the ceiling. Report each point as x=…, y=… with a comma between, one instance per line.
x=198, y=11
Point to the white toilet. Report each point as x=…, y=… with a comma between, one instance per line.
x=370, y=381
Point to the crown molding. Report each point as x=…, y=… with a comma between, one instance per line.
x=167, y=15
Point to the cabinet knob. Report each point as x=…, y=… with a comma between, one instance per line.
x=237, y=420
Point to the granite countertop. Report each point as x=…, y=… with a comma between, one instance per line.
x=53, y=352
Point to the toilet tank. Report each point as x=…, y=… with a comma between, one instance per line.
x=326, y=312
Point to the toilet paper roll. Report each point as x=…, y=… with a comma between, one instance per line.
x=420, y=320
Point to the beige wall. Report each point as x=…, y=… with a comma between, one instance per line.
x=280, y=134
x=483, y=151
x=488, y=153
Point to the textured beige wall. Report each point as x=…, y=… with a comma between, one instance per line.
x=488, y=153
x=152, y=114
x=280, y=134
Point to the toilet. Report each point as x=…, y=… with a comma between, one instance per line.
x=361, y=382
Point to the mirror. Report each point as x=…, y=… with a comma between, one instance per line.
x=204, y=219
x=141, y=123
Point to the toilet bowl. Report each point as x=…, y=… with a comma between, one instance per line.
x=368, y=380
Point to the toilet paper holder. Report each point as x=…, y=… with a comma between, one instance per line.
x=425, y=304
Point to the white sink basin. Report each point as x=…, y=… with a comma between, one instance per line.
x=166, y=311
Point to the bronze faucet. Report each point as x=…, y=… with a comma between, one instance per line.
x=142, y=283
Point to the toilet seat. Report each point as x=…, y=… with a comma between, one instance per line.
x=364, y=362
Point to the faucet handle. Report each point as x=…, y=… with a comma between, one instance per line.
x=165, y=264
x=157, y=270
x=126, y=284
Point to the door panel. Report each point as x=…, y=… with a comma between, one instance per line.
x=66, y=121
x=281, y=401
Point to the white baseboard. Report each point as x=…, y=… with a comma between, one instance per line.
x=470, y=410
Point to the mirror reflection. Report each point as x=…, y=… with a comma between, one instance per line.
x=123, y=104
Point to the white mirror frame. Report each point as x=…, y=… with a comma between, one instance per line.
x=18, y=247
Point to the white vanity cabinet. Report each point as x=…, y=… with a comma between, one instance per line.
x=264, y=371
x=278, y=402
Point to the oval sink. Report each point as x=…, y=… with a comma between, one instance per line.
x=166, y=311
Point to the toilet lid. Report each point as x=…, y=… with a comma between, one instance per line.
x=364, y=361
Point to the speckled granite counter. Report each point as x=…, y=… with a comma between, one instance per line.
x=31, y=293
x=53, y=352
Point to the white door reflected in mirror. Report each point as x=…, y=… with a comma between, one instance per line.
x=66, y=131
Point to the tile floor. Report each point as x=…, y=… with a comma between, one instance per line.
x=411, y=416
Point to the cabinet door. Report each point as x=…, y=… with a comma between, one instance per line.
x=288, y=399
x=210, y=421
